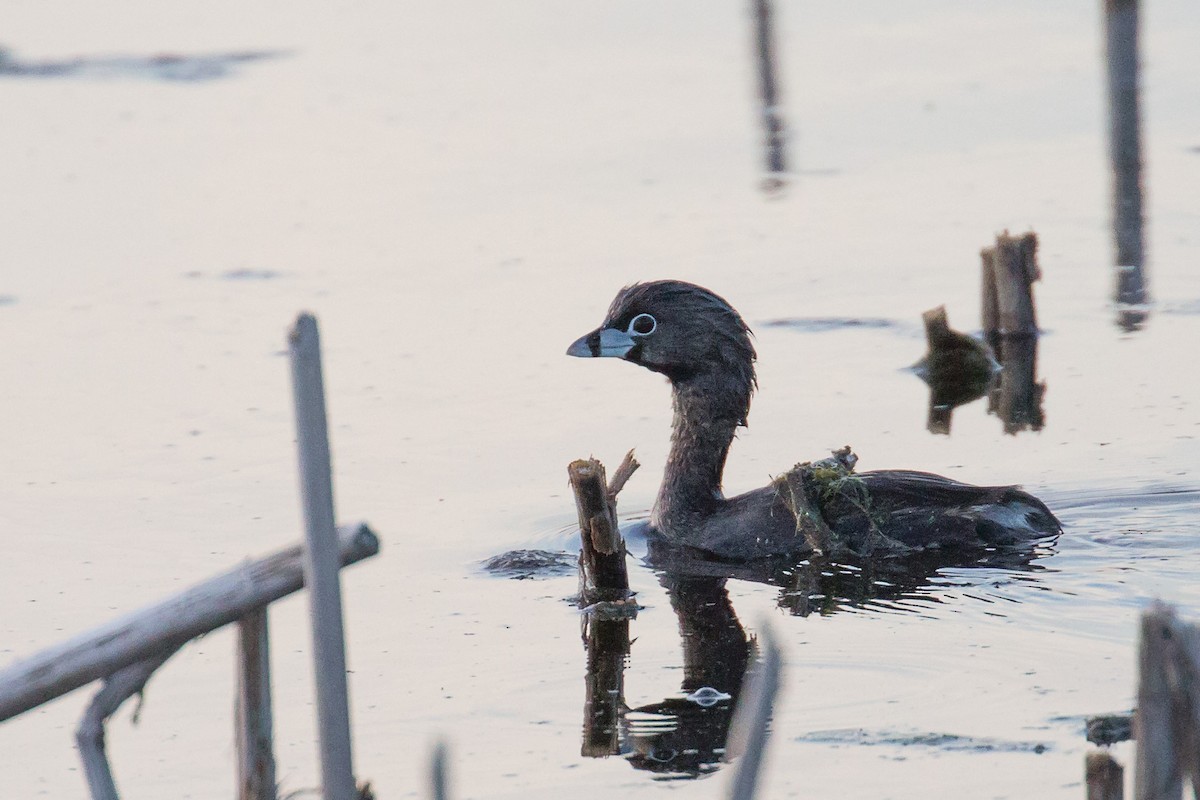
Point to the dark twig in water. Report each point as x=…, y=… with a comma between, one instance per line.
x=625, y=470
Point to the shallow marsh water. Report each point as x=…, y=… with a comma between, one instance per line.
x=457, y=192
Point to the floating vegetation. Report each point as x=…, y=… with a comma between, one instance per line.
x=525, y=564
x=809, y=488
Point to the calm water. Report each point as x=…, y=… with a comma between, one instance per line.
x=457, y=192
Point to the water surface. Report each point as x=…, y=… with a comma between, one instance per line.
x=458, y=193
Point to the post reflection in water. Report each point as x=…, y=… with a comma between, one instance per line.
x=1016, y=396
x=607, y=644
x=684, y=736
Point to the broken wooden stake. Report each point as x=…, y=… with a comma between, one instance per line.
x=255, y=720
x=1105, y=778
x=602, y=561
x=958, y=369
x=1167, y=723
x=604, y=593
x=1009, y=270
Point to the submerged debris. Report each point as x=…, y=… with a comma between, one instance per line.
x=1108, y=729
x=525, y=564
x=161, y=66
x=941, y=741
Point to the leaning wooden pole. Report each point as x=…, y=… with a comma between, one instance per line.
x=146, y=633
x=320, y=562
x=1125, y=147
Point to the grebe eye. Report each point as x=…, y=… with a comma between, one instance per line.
x=642, y=325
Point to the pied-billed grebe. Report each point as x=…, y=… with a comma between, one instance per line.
x=700, y=343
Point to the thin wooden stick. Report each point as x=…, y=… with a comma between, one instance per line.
x=256, y=753
x=320, y=562
x=118, y=687
x=624, y=472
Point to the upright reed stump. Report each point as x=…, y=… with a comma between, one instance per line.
x=602, y=560
x=1010, y=269
x=605, y=597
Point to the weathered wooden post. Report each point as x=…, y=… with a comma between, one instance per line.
x=1009, y=318
x=321, y=561
x=602, y=560
x=605, y=596
x=1010, y=269
x=1167, y=722
x=255, y=748
x=768, y=87
x=1105, y=778
x=1125, y=146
